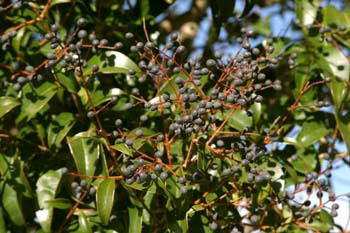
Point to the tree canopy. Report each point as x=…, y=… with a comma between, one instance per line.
x=172, y=115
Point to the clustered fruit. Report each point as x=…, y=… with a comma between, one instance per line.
x=191, y=102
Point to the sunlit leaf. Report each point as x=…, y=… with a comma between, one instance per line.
x=306, y=11
x=311, y=132
x=46, y=190
x=85, y=151
x=7, y=103
x=84, y=223
x=112, y=62
x=59, y=203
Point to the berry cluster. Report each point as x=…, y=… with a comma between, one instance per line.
x=177, y=129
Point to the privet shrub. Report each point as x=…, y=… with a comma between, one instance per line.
x=107, y=130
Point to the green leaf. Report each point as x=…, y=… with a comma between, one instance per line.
x=339, y=91
x=105, y=199
x=145, y=8
x=121, y=147
x=2, y=221
x=47, y=187
x=306, y=11
x=320, y=226
x=59, y=128
x=68, y=82
x=11, y=204
x=112, y=62
x=59, y=203
x=135, y=220
x=34, y=99
x=7, y=103
x=337, y=61
x=333, y=17
x=84, y=223
x=306, y=162
x=326, y=218
x=12, y=169
x=239, y=120
x=310, y=133
x=85, y=151
x=343, y=122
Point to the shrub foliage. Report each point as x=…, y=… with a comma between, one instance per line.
x=110, y=122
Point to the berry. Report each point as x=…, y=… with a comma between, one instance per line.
x=129, y=35
x=139, y=133
x=158, y=167
x=220, y=143
x=64, y=170
x=182, y=180
x=54, y=27
x=81, y=22
x=90, y=114
x=158, y=154
x=163, y=175
x=129, y=142
x=130, y=180
x=254, y=219
x=118, y=122
x=83, y=183
x=74, y=185
x=213, y=226
x=334, y=213
x=226, y=172
x=17, y=87
x=82, y=34
x=183, y=189
x=160, y=138
x=92, y=191
x=127, y=106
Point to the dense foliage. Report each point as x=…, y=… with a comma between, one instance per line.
x=110, y=121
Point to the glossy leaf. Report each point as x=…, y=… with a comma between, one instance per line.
x=59, y=128
x=112, y=62
x=343, y=122
x=337, y=62
x=13, y=170
x=339, y=91
x=59, y=203
x=310, y=133
x=34, y=99
x=239, y=120
x=84, y=223
x=332, y=16
x=121, y=147
x=105, y=199
x=11, y=204
x=306, y=11
x=135, y=220
x=46, y=190
x=306, y=162
x=69, y=82
x=85, y=151
x=7, y=103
